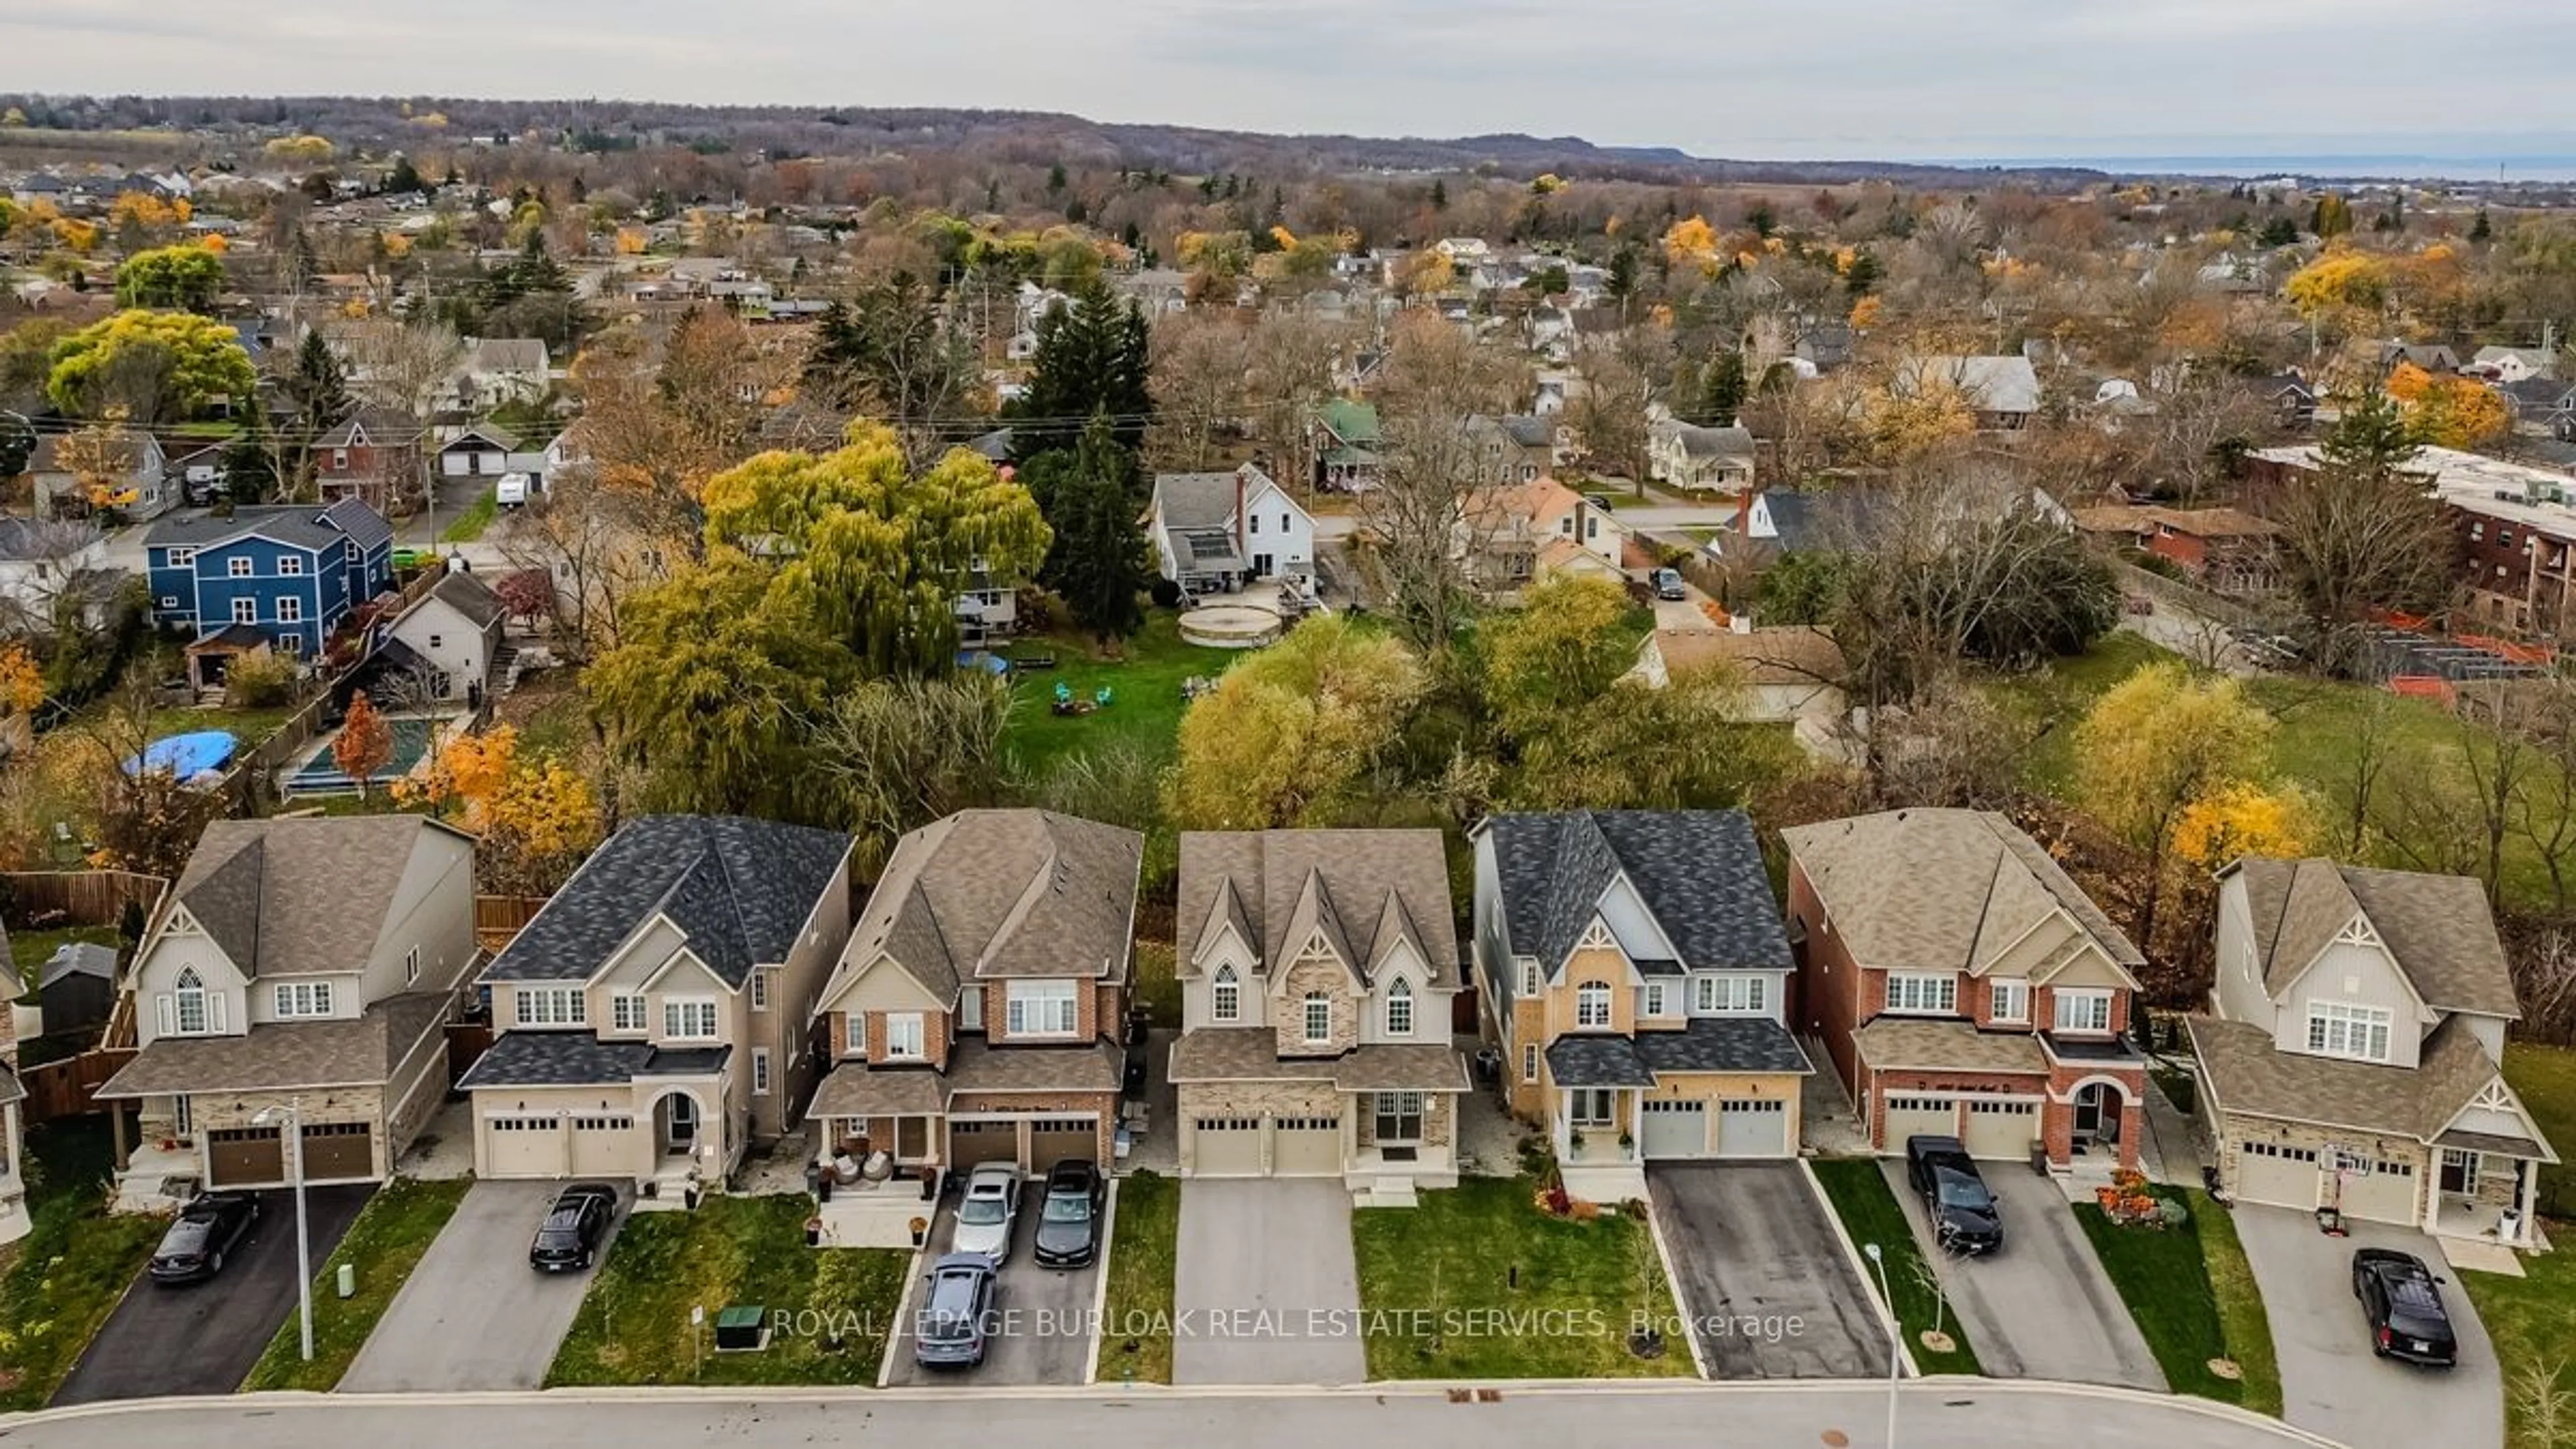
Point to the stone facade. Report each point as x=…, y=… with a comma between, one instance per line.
x=1439, y=1119
x=1310, y=975
x=212, y=1112
x=2236, y=1127
x=1103, y=1104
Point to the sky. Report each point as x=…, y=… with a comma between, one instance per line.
x=1860, y=79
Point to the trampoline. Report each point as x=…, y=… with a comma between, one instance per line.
x=322, y=775
x=185, y=756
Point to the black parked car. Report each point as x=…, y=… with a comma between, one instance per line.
x=210, y=1227
x=1965, y=1217
x=956, y=1319
x=1069, y=1218
x=569, y=1237
x=2403, y=1302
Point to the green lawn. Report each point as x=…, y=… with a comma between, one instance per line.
x=1477, y=1282
x=2533, y=1319
x=2168, y=1277
x=831, y=1310
x=2545, y=1078
x=1858, y=1191
x=386, y=1242
x=477, y=517
x=29, y=950
x=1145, y=687
x=59, y=1282
x=1136, y=1313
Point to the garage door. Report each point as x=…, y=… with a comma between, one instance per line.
x=608, y=1146
x=1226, y=1147
x=2382, y=1192
x=1305, y=1146
x=1753, y=1128
x=339, y=1152
x=1053, y=1139
x=1674, y=1129
x=2001, y=1129
x=524, y=1146
x=1915, y=1116
x=973, y=1141
x=2267, y=1172
x=245, y=1157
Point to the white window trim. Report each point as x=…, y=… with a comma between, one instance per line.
x=1027, y=1005
x=411, y=965
x=629, y=1011
x=1655, y=999
x=1529, y=976
x=2016, y=987
x=681, y=1014
x=182, y=556
x=1585, y=1097
x=2093, y=1002
x=1306, y=1018
x=549, y=1005
x=1529, y=1061
x=290, y=566
x=907, y=1037
x=1730, y=995
x=1400, y=994
x=301, y=1000
x=1585, y=997
x=239, y=566
x=760, y=1071
x=245, y=611
x=1922, y=988
x=2357, y=1025
x=290, y=609
x=1225, y=996
x=759, y=988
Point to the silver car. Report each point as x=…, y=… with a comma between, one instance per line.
x=991, y=1209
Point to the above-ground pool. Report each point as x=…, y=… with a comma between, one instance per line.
x=185, y=756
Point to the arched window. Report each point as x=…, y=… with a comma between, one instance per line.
x=1225, y=998
x=1319, y=1017
x=1592, y=1004
x=191, y=995
x=1399, y=1009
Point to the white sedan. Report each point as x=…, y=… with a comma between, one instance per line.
x=991, y=1208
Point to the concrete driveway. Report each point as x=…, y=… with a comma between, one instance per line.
x=1044, y=1313
x=202, y=1338
x=2331, y=1383
x=1762, y=1275
x=1264, y=1280
x=2042, y=1308
x=475, y=1315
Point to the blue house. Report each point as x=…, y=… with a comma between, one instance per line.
x=287, y=572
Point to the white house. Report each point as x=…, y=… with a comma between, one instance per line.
x=39, y=562
x=1700, y=460
x=493, y=372
x=1223, y=530
x=454, y=635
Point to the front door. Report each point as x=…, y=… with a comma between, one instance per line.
x=1261, y=565
x=2097, y=1113
x=684, y=1121
x=2459, y=1172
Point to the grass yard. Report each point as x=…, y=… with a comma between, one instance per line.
x=386, y=1243
x=1437, y=1285
x=29, y=950
x=2170, y=1279
x=2533, y=1319
x=1145, y=688
x=1136, y=1313
x=1859, y=1194
x=58, y=1283
x=477, y=517
x=831, y=1309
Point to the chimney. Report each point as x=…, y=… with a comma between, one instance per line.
x=1744, y=513
x=1241, y=539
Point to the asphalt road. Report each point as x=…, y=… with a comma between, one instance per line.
x=2042, y=1308
x=1262, y=1265
x=1044, y=1314
x=474, y=1315
x=202, y=1338
x=1763, y=1279
x=1948, y=1415
x=2331, y=1383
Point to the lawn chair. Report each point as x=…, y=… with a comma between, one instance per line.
x=1100, y=698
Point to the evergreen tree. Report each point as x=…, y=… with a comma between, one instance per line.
x=1097, y=562
x=2332, y=217
x=251, y=464
x=1055, y=179
x=1762, y=219
x=1621, y=283
x=2481, y=229
x=2279, y=232
x=404, y=179
x=1092, y=358
x=319, y=387
x=1439, y=194
x=2372, y=440
x=1863, y=274
x=1722, y=385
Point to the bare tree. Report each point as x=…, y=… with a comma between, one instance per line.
x=1417, y=521
x=1621, y=373
x=1293, y=356
x=1202, y=364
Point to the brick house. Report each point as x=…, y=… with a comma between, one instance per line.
x=1965, y=987
x=378, y=457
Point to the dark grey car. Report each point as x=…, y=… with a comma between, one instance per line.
x=955, y=1323
x=1068, y=1233
x=211, y=1226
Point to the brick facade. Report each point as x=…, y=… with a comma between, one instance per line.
x=1334, y=982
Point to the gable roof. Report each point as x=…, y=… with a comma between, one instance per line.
x=298, y=897
x=77, y=958
x=2247, y=1075
x=297, y=525
x=484, y=435
x=740, y=889
x=1942, y=889
x=469, y=596
x=994, y=894
x=1365, y=890
x=1993, y=384
x=1698, y=872
x=371, y=427
x=2436, y=927
x=1781, y=654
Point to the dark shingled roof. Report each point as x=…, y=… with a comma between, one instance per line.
x=1699, y=871
x=1723, y=1044
x=300, y=525
x=739, y=888
x=581, y=1059
x=1597, y=1061
x=469, y=596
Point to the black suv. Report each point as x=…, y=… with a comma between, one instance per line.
x=2403, y=1302
x=568, y=1239
x=1965, y=1217
x=210, y=1226
x=1069, y=1217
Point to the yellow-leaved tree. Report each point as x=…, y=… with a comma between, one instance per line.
x=2244, y=819
x=2451, y=412
x=1289, y=736
x=2159, y=744
x=2341, y=280
x=22, y=680
x=538, y=817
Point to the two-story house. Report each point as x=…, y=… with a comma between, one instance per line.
x=300, y=969
x=1635, y=974
x=453, y=637
x=1965, y=987
x=2352, y=1055
x=141, y=489
x=1219, y=531
x=976, y=1014
x=1317, y=969
x=375, y=457
x=1701, y=460
x=1346, y=440
x=653, y=1013
x=1515, y=534
x=2003, y=392
x=289, y=572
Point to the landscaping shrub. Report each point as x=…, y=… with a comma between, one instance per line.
x=263, y=680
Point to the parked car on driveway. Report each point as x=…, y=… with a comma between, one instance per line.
x=990, y=1211
x=2402, y=1301
x=1965, y=1217
x=956, y=1313
x=208, y=1229
x=1668, y=584
x=1068, y=1234
x=569, y=1237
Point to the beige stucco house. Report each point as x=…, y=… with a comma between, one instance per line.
x=310, y=964
x=14, y=1222
x=2353, y=1055
x=1317, y=969
x=653, y=1014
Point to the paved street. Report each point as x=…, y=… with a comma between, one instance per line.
x=2042, y=1308
x=1045, y=1314
x=1257, y=1260
x=1752, y=1247
x=2330, y=1381
x=1950, y=1415
x=202, y=1338
x=475, y=1315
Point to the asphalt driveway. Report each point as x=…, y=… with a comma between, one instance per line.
x=2042, y=1308
x=202, y=1338
x=1044, y=1314
x=475, y=1315
x=1265, y=1285
x=2331, y=1383
x=1762, y=1275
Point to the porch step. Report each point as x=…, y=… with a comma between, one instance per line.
x=1386, y=1192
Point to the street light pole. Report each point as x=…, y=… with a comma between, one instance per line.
x=303, y=1237
x=1895, y=1337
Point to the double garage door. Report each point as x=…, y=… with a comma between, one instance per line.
x=1305, y=1146
x=597, y=1145
x=1746, y=1127
x=1997, y=1127
x=1052, y=1139
x=2281, y=1175
x=256, y=1156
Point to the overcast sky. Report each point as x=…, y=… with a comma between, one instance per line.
x=1848, y=78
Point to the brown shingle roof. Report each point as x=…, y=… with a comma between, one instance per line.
x=1897, y=1043
x=1251, y=1054
x=2246, y=1074
x=299, y=897
x=854, y=1089
x=1363, y=888
x=979, y=1067
x=362, y=1051
x=1940, y=889
x=1788, y=654
x=2436, y=927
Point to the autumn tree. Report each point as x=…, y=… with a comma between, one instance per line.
x=1438, y=382
x=179, y=278
x=1291, y=736
x=160, y=367
x=2359, y=533
x=1202, y=367
x=1293, y=355
x=1620, y=373
x=537, y=816
x=900, y=753
x=2451, y=411
x=364, y=745
x=891, y=353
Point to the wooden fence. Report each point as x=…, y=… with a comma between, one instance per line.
x=65, y=1088
x=40, y=899
x=499, y=919
x=251, y=775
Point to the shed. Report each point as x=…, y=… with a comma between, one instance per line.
x=76, y=986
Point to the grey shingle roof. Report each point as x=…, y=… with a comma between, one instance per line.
x=298, y=897
x=581, y=1059
x=1698, y=871
x=1992, y=384
x=1194, y=500
x=78, y=958
x=469, y=596
x=1374, y=885
x=2437, y=927
x=1722, y=1044
x=1597, y=1061
x=301, y=525
x=739, y=888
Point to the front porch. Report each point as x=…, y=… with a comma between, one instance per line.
x=2485, y=1192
